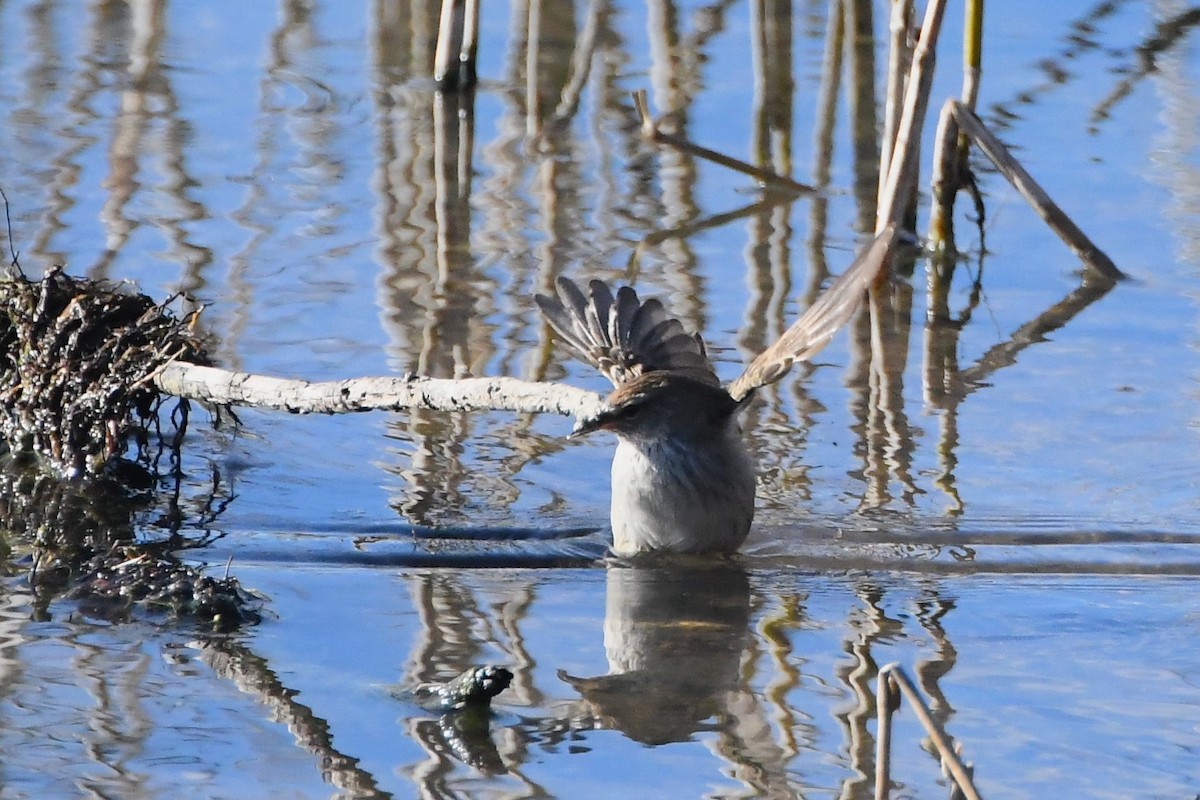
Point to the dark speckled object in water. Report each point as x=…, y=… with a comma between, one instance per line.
x=475, y=687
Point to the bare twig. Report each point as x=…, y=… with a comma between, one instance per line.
x=1091, y=255
x=14, y=266
x=651, y=132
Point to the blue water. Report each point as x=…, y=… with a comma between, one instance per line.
x=1028, y=553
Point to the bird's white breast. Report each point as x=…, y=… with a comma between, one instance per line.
x=685, y=497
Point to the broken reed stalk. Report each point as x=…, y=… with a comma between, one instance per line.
x=945, y=181
x=902, y=171
x=651, y=133
x=892, y=678
x=884, y=707
x=950, y=147
x=1091, y=255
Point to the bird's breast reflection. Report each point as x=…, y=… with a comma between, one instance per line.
x=674, y=634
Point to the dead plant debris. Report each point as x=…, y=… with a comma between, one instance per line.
x=77, y=361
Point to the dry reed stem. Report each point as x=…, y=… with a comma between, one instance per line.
x=899, y=61
x=902, y=167
x=972, y=51
x=945, y=179
x=1091, y=255
x=896, y=679
x=950, y=147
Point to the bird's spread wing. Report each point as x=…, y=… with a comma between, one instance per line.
x=622, y=336
x=820, y=322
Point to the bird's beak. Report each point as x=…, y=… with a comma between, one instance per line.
x=585, y=425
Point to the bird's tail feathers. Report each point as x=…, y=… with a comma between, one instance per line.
x=622, y=336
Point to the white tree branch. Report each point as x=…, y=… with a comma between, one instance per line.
x=223, y=387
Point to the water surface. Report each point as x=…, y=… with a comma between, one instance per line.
x=1005, y=505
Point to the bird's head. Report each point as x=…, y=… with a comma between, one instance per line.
x=663, y=404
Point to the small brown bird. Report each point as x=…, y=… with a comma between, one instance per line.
x=682, y=478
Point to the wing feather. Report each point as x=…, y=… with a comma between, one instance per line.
x=820, y=322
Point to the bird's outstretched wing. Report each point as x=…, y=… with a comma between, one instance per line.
x=622, y=336
x=820, y=322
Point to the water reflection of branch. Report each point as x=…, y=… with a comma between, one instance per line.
x=946, y=384
x=454, y=620
x=685, y=230
x=1081, y=41
x=651, y=131
x=888, y=435
x=450, y=342
x=931, y=609
x=581, y=64
x=1032, y=332
x=869, y=625
x=149, y=96
x=49, y=72
x=859, y=41
x=252, y=674
x=1167, y=34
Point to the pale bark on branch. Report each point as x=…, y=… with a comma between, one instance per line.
x=223, y=387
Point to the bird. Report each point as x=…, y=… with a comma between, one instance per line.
x=683, y=479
